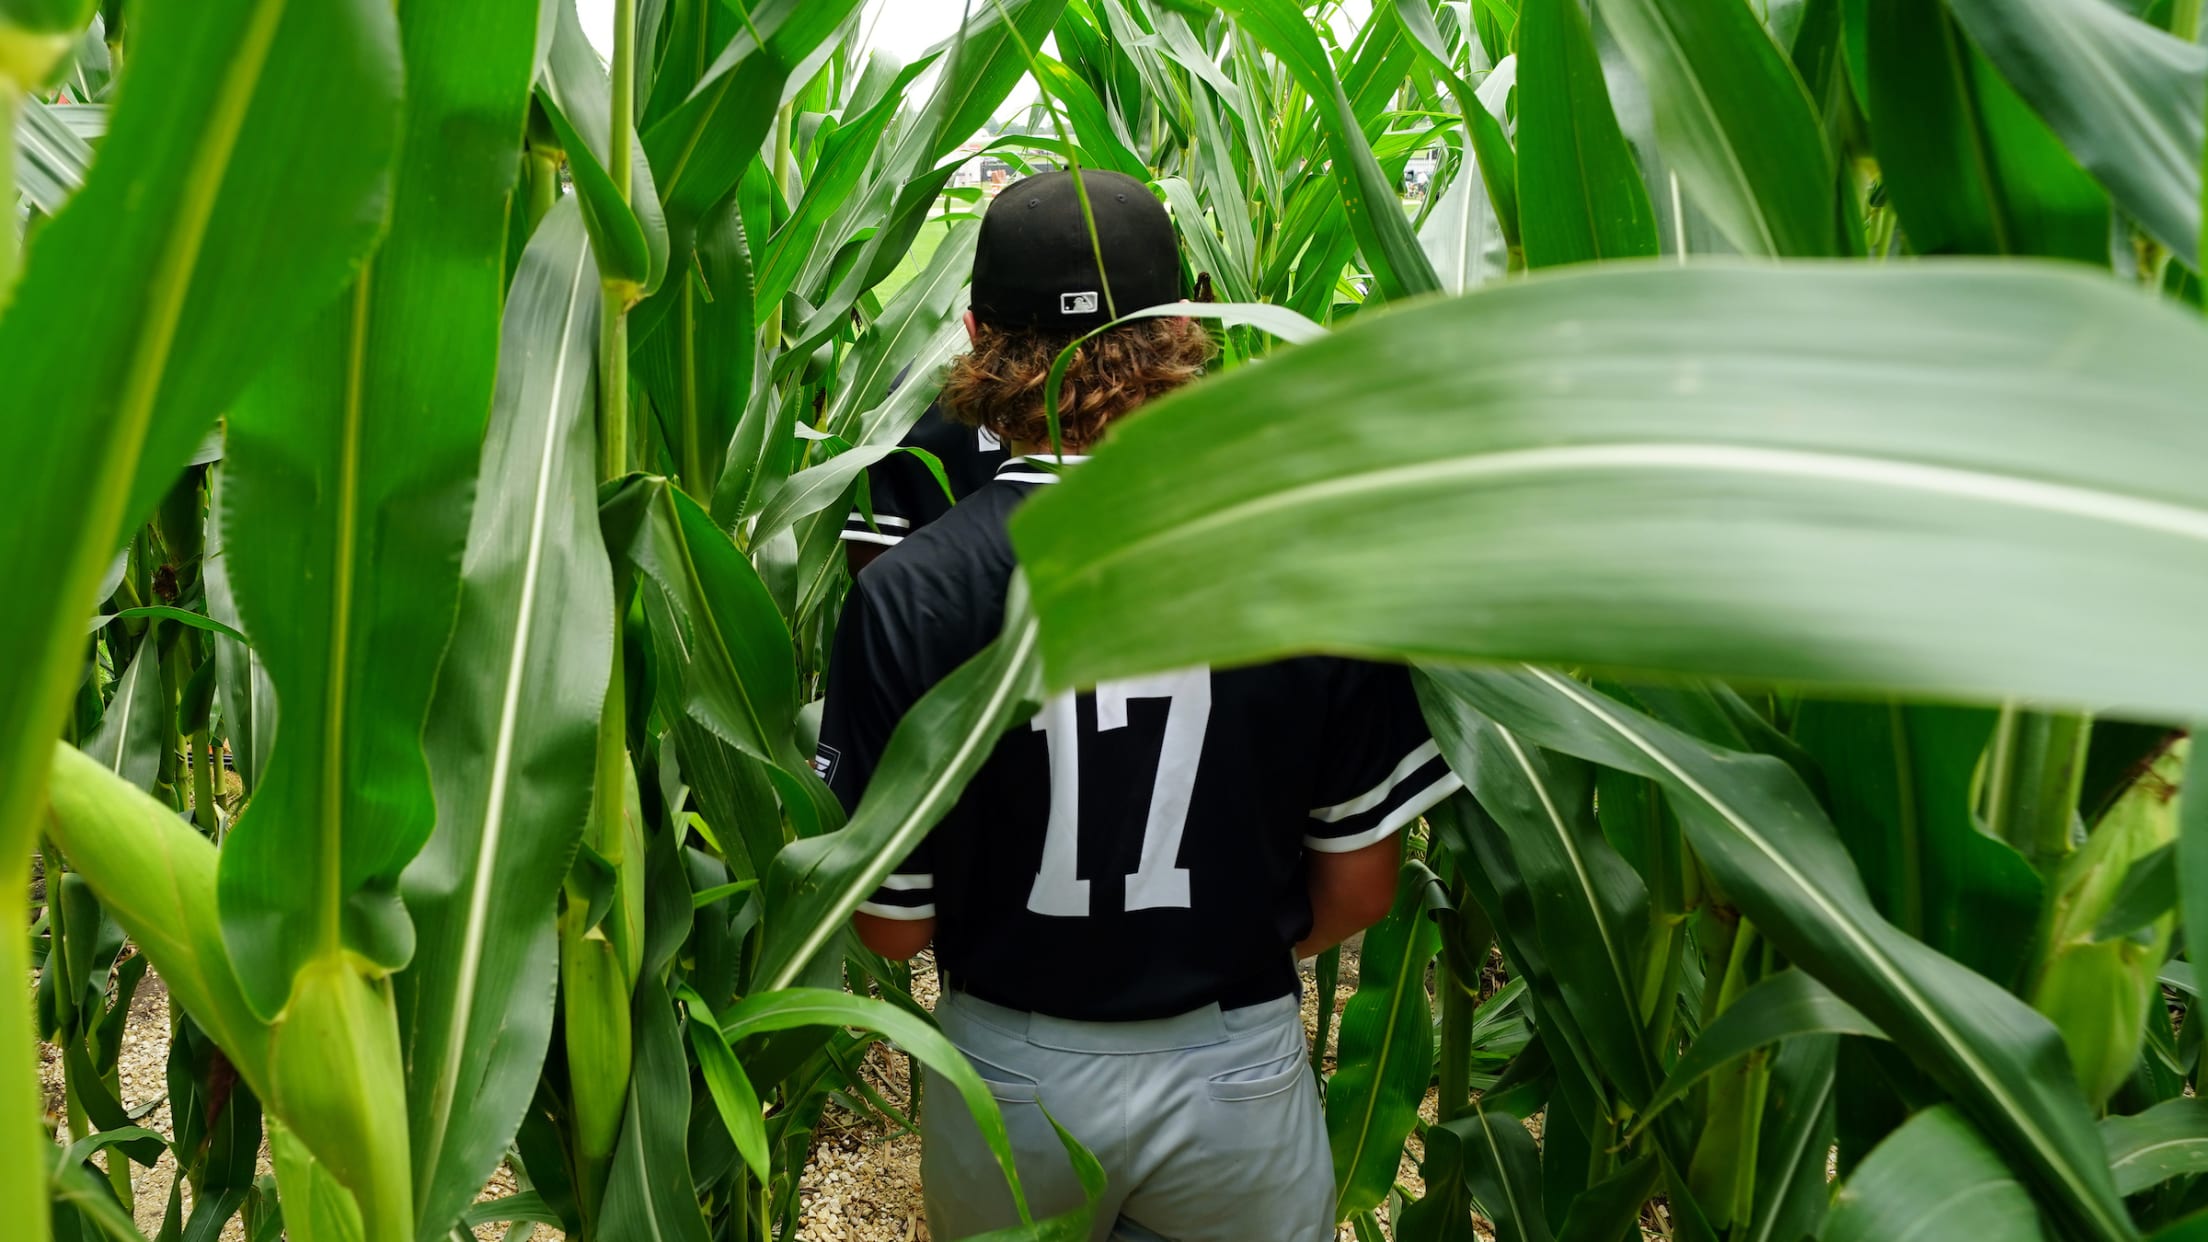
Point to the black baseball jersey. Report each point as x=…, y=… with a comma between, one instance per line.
x=1132, y=852
x=903, y=491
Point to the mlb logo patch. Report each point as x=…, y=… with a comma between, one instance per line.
x=1077, y=303
x=824, y=761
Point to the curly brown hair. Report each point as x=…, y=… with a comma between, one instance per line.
x=998, y=384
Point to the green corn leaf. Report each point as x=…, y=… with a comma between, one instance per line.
x=1792, y=1188
x=734, y=1097
x=34, y=37
x=515, y=1208
x=844, y=159
x=1933, y=1178
x=696, y=354
x=2126, y=98
x=317, y=1207
x=81, y=1201
x=512, y=730
x=651, y=1195
x=816, y=884
x=1735, y=120
x=167, y=613
x=628, y=235
x=1610, y=1210
x=241, y=682
x=787, y=1008
x=1590, y=909
x=350, y=465
x=1387, y=1052
x=130, y=735
x=1906, y=805
x=1970, y=168
x=1908, y=514
x=1788, y=1004
x=736, y=676
x=1764, y=839
x=917, y=333
x=1502, y=1169
x=1473, y=226
x=1580, y=195
x=699, y=149
x=1375, y=215
x=2149, y=1148
x=1502, y=893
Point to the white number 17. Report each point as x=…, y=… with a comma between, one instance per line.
x=1156, y=883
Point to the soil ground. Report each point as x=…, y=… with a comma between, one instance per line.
x=861, y=1185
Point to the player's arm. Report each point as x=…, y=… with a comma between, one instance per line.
x=896, y=939
x=1349, y=892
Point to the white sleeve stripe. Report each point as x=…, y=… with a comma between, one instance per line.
x=1379, y=793
x=880, y=519
x=1417, y=805
x=867, y=536
x=904, y=883
x=901, y=914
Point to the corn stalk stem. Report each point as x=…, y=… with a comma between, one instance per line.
x=22, y=1140
x=203, y=782
x=2034, y=769
x=2185, y=20
x=693, y=449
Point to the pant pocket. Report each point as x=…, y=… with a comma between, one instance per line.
x=1261, y=1081
x=1006, y=1085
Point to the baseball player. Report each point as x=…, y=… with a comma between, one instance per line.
x=1118, y=900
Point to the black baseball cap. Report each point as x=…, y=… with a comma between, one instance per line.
x=1035, y=266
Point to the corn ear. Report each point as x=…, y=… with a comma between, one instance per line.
x=338, y=1080
x=2097, y=991
x=595, y=998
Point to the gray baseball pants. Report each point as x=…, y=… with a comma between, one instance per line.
x=1207, y=1124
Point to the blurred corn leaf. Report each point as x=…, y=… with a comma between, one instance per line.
x=1837, y=558
x=51, y=159
x=2149, y=1148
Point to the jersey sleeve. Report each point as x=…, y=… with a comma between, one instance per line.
x=904, y=496
x=866, y=698
x=1383, y=768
